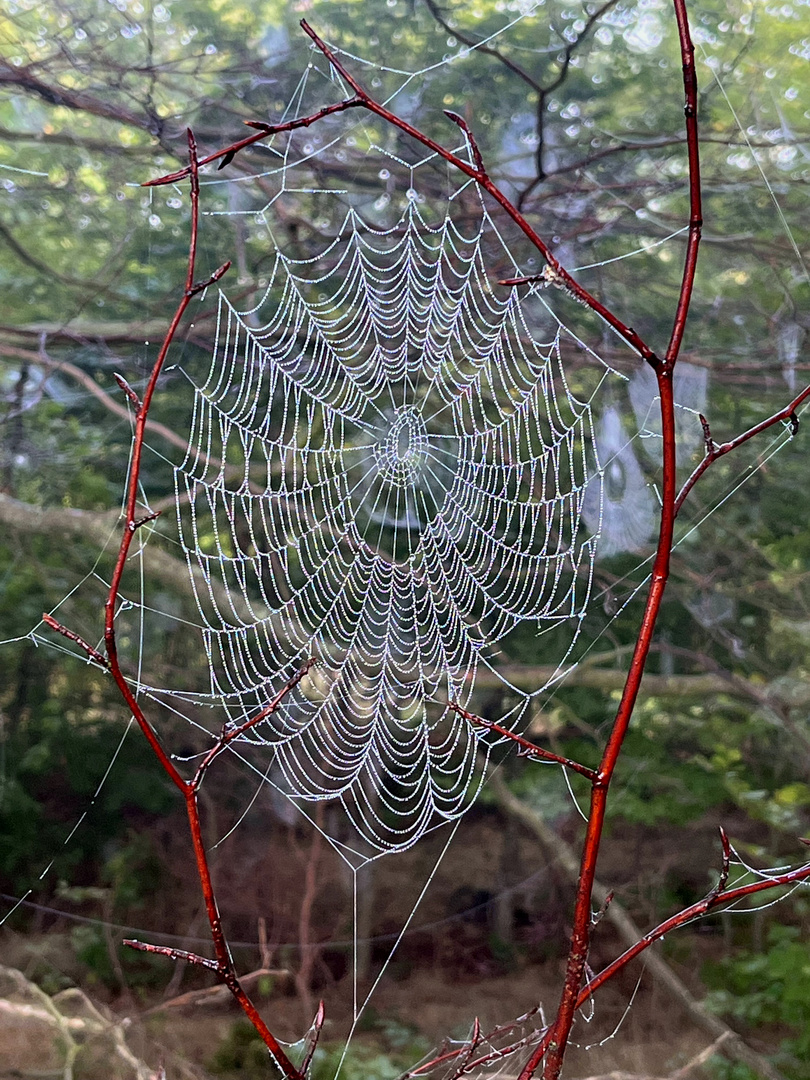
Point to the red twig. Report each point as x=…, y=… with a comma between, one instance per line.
x=94, y=654
x=715, y=451
x=223, y=964
x=312, y=1041
x=264, y=130
x=173, y=954
x=527, y=749
x=478, y=173
x=228, y=734
x=690, y=108
x=695, y=911
x=476, y=1039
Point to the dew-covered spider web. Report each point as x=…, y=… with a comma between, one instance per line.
x=398, y=479
x=405, y=470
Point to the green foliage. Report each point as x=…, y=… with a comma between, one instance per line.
x=769, y=989
x=241, y=1054
x=59, y=738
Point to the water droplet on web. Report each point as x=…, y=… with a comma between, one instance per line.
x=412, y=194
x=384, y=174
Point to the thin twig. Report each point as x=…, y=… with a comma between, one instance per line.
x=527, y=749
x=713, y=451
x=482, y=178
x=94, y=654
x=229, y=734
x=263, y=132
x=173, y=954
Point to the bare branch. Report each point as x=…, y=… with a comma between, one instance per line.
x=264, y=130
x=578, y=292
x=173, y=954
x=788, y=415
x=527, y=749
x=94, y=654
x=228, y=734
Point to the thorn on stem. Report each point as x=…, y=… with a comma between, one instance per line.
x=226, y=160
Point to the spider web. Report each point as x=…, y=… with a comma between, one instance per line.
x=412, y=468
x=418, y=479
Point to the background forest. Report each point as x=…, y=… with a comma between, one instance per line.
x=578, y=112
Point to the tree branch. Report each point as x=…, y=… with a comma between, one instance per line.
x=714, y=451
x=733, y=1047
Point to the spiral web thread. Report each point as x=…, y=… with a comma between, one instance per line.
x=415, y=466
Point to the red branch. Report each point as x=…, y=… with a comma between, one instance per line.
x=223, y=964
x=527, y=749
x=264, y=130
x=714, y=451
x=462, y=1054
x=478, y=173
x=715, y=898
x=551, y=1050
